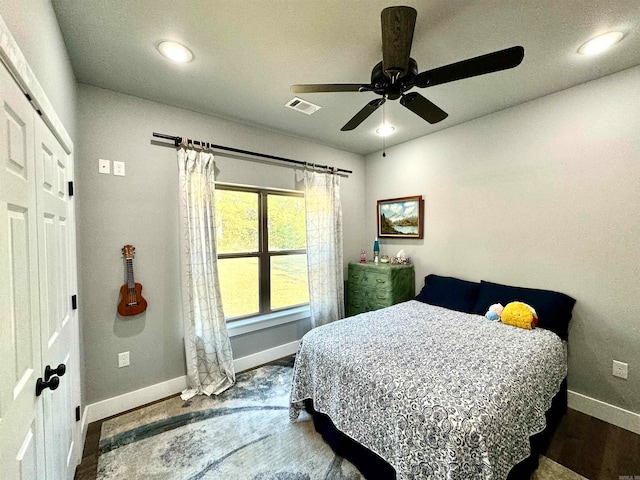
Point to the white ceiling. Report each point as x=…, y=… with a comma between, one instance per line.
x=248, y=53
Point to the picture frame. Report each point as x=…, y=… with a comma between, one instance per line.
x=401, y=217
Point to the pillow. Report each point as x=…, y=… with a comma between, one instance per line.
x=553, y=308
x=449, y=292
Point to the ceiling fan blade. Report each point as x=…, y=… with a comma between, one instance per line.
x=330, y=87
x=423, y=107
x=491, y=62
x=398, y=24
x=362, y=115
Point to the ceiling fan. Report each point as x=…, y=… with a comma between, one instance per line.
x=398, y=72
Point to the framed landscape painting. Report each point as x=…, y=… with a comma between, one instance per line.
x=400, y=217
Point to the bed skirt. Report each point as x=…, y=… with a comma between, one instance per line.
x=372, y=466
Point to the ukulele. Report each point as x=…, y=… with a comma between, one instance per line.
x=131, y=301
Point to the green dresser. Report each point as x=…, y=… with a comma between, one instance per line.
x=377, y=285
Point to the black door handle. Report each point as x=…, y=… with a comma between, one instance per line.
x=50, y=372
x=52, y=384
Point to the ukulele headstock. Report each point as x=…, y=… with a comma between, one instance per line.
x=128, y=251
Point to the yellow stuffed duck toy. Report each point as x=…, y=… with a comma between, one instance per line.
x=518, y=314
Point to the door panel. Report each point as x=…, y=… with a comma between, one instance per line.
x=57, y=280
x=21, y=429
x=27, y=457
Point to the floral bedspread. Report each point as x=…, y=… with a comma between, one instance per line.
x=438, y=394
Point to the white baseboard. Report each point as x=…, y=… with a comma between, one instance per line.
x=127, y=401
x=604, y=411
x=265, y=356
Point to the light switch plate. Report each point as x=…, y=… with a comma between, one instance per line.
x=620, y=369
x=123, y=359
x=118, y=168
x=104, y=166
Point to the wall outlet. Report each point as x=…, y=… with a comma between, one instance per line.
x=118, y=168
x=104, y=166
x=620, y=369
x=123, y=359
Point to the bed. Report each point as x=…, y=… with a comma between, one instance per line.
x=431, y=389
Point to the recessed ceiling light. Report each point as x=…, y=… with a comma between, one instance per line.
x=384, y=130
x=600, y=43
x=176, y=52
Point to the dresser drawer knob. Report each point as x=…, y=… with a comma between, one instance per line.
x=379, y=280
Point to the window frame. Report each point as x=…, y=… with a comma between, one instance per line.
x=263, y=254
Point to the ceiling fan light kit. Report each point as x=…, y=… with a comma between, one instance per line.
x=398, y=73
x=385, y=130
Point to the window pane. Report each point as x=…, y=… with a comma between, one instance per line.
x=289, y=284
x=239, y=285
x=286, y=223
x=236, y=221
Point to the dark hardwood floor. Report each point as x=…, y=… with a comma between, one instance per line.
x=595, y=449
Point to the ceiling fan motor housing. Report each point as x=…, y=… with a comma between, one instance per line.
x=393, y=88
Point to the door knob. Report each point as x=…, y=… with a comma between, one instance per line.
x=41, y=385
x=50, y=372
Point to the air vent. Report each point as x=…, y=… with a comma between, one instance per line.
x=302, y=106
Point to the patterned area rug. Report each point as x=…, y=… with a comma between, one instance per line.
x=244, y=433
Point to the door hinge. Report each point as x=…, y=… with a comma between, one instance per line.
x=33, y=103
x=78, y=413
x=71, y=189
x=74, y=302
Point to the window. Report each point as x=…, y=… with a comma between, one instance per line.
x=261, y=240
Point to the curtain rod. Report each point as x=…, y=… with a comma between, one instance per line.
x=178, y=140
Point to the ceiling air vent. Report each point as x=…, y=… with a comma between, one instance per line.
x=302, y=106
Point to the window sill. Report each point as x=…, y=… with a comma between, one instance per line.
x=248, y=325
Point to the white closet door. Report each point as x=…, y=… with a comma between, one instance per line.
x=59, y=322
x=21, y=423
x=39, y=435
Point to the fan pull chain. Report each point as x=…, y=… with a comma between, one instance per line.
x=384, y=140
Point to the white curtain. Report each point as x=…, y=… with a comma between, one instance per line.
x=206, y=341
x=324, y=247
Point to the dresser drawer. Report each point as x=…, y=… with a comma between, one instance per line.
x=376, y=280
x=369, y=277
x=366, y=294
x=357, y=306
x=363, y=305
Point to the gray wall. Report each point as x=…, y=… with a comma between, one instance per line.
x=543, y=195
x=142, y=209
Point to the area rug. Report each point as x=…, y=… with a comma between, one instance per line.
x=244, y=433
